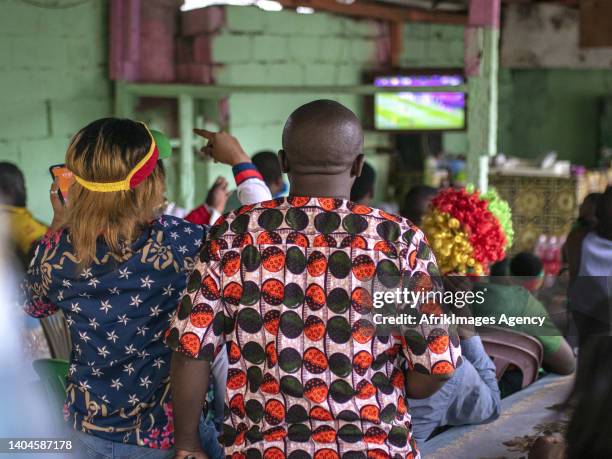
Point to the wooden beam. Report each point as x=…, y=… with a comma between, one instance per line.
x=396, y=37
x=527, y=2
x=220, y=92
x=186, y=161
x=368, y=10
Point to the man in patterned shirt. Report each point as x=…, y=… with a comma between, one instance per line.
x=284, y=287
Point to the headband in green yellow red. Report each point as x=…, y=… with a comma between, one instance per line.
x=160, y=149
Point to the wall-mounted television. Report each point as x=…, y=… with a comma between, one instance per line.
x=419, y=111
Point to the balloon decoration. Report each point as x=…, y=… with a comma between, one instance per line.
x=467, y=230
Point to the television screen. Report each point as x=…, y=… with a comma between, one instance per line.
x=419, y=111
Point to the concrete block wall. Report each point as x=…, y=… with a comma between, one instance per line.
x=247, y=46
x=53, y=80
x=432, y=46
x=286, y=48
x=436, y=46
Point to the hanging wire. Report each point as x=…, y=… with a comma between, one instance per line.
x=54, y=4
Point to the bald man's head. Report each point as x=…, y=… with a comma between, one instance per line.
x=322, y=137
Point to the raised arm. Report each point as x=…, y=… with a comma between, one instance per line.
x=224, y=148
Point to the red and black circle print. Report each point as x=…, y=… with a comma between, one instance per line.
x=287, y=285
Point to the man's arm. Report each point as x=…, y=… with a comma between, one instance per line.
x=251, y=187
x=477, y=399
x=562, y=361
x=558, y=355
x=226, y=149
x=428, y=369
x=189, y=382
x=419, y=385
x=195, y=343
x=473, y=351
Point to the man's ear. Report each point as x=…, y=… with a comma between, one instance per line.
x=282, y=159
x=357, y=166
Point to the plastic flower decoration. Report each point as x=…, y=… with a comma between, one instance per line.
x=467, y=230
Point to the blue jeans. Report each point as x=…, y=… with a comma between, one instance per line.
x=88, y=446
x=208, y=439
x=219, y=373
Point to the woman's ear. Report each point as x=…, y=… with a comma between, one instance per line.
x=357, y=166
x=284, y=163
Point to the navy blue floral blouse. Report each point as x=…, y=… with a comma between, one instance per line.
x=118, y=310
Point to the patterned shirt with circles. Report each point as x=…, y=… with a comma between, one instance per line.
x=285, y=287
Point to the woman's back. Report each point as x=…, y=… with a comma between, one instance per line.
x=118, y=309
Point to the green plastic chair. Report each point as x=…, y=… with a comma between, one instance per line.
x=52, y=373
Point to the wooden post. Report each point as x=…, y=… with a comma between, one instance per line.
x=481, y=67
x=124, y=101
x=396, y=32
x=186, y=172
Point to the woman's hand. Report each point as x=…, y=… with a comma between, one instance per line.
x=184, y=454
x=59, y=209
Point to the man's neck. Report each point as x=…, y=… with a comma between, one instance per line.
x=320, y=186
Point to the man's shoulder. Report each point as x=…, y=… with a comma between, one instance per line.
x=312, y=222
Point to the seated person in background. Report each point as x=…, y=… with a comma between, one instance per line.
x=211, y=210
x=528, y=271
x=289, y=278
x=589, y=434
x=587, y=214
x=471, y=396
x=117, y=270
x=24, y=232
x=591, y=288
x=24, y=229
x=269, y=167
x=500, y=268
x=203, y=215
x=503, y=296
x=267, y=164
x=362, y=191
x=416, y=203
x=586, y=222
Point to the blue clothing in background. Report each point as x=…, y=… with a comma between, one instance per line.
x=471, y=396
x=284, y=191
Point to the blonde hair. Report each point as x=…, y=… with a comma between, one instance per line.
x=105, y=151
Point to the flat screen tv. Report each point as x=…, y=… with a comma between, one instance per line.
x=419, y=111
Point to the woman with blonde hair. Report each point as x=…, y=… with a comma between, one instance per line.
x=118, y=270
